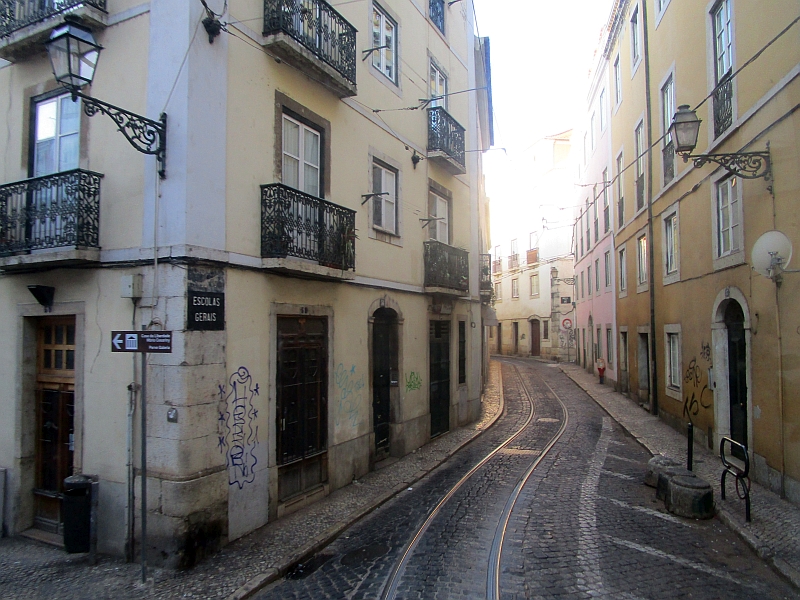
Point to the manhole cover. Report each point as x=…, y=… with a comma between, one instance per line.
x=305, y=569
x=365, y=554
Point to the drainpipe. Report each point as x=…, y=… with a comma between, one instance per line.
x=650, y=258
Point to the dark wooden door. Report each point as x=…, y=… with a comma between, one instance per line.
x=381, y=379
x=302, y=422
x=737, y=372
x=55, y=417
x=440, y=376
x=536, y=340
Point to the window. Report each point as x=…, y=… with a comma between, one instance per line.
x=438, y=87
x=620, y=197
x=602, y=110
x=589, y=278
x=597, y=275
x=606, y=205
x=515, y=288
x=436, y=11
x=498, y=292
x=384, y=37
x=667, y=114
x=592, y=137
x=596, y=221
x=609, y=347
x=607, y=260
x=384, y=207
x=56, y=135
x=641, y=247
x=672, y=361
x=671, y=241
x=301, y=157
x=588, y=228
x=623, y=285
x=580, y=226
x=583, y=287
x=638, y=148
x=728, y=217
x=514, y=247
x=599, y=343
x=545, y=329
x=617, y=81
x=462, y=352
x=723, y=52
x=535, y=284
x=438, y=209
x=635, y=43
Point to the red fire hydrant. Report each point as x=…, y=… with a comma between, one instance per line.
x=601, y=369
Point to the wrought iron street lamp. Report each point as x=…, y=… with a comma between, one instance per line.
x=684, y=130
x=73, y=54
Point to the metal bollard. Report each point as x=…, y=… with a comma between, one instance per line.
x=690, y=449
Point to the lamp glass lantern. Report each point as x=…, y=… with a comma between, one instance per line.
x=73, y=54
x=684, y=130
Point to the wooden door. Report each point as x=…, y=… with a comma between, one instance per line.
x=737, y=372
x=536, y=340
x=384, y=344
x=439, y=376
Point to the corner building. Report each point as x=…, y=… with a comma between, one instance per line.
x=313, y=249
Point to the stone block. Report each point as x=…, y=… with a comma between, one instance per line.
x=248, y=506
x=192, y=421
x=111, y=517
x=153, y=493
x=690, y=496
x=666, y=475
x=183, y=498
x=655, y=467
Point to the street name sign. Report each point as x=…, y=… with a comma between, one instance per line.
x=155, y=342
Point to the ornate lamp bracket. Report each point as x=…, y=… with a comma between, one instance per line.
x=748, y=165
x=145, y=135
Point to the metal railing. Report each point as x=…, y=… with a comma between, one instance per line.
x=445, y=134
x=668, y=155
x=741, y=476
x=16, y=14
x=723, y=106
x=497, y=266
x=319, y=28
x=640, y=192
x=486, y=273
x=513, y=261
x=532, y=256
x=53, y=211
x=446, y=266
x=437, y=13
x=294, y=223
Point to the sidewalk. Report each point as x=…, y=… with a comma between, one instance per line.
x=30, y=569
x=774, y=532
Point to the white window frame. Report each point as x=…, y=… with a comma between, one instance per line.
x=661, y=8
x=57, y=138
x=670, y=245
x=641, y=263
x=534, y=285
x=672, y=361
x=606, y=203
x=437, y=86
x=379, y=57
x=617, y=82
x=384, y=204
x=623, y=272
x=636, y=40
x=607, y=260
x=597, y=275
x=583, y=286
x=498, y=291
x=440, y=229
x=639, y=153
x=302, y=183
x=722, y=14
x=609, y=345
x=734, y=254
x=589, y=278
x=515, y=288
x=620, y=190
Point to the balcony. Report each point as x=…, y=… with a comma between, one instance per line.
x=513, y=261
x=446, y=141
x=26, y=24
x=446, y=269
x=533, y=256
x=315, y=39
x=668, y=155
x=50, y=221
x=497, y=266
x=486, y=286
x=299, y=230
x=723, y=106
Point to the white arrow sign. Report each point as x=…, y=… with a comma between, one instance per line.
x=117, y=341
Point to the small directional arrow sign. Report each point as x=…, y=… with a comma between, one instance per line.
x=157, y=342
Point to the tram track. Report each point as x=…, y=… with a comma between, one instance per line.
x=390, y=589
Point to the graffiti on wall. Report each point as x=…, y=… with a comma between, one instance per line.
x=238, y=432
x=698, y=395
x=349, y=395
x=413, y=381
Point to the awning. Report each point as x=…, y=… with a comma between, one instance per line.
x=489, y=316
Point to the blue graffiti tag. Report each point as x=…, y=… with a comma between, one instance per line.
x=240, y=436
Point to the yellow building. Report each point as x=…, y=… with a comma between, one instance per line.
x=703, y=337
x=314, y=248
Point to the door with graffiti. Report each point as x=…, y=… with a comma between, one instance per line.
x=440, y=376
x=737, y=371
x=55, y=417
x=384, y=376
x=302, y=407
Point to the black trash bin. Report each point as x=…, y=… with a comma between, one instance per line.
x=76, y=511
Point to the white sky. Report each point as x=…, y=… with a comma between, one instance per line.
x=541, y=54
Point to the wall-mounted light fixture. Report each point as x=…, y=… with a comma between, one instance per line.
x=73, y=54
x=684, y=130
x=44, y=295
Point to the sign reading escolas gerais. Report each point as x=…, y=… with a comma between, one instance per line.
x=155, y=342
x=205, y=311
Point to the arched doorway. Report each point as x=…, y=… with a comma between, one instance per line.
x=384, y=376
x=737, y=371
x=536, y=340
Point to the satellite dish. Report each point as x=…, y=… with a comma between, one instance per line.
x=772, y=243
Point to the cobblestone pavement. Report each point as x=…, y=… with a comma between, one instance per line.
x=585, y=525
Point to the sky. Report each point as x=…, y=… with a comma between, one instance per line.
x=541, y=54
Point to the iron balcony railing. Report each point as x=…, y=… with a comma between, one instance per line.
x=16, y=14
x=723, y=106
x=640, y=191
x=532, y=256
x=316, y=26
x=445, y=134
x=53, y=211
x=486, y=273
x=446, y=266
x=294, y=223
x=668, y=155
x=513, y=261
x=437, y=13
x=497, y=266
